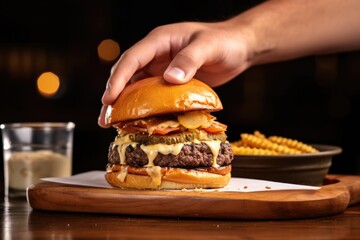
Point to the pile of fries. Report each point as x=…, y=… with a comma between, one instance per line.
x=258, y=144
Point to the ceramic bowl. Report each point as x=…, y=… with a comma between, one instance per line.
x=307, y=169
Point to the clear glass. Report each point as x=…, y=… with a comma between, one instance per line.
x=35, y=150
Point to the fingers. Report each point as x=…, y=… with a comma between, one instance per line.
x=126, y=69
x=129, y=63
x=117, y=81
x=119, y=77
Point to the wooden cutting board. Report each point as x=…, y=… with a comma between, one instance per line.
x=339, y=192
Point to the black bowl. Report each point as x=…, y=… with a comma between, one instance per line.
x=306, y=169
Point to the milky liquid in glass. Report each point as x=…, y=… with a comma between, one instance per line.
x=33, y=151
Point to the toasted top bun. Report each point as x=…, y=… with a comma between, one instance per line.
x=154, y=96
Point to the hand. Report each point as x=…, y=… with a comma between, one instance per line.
x=211, y=52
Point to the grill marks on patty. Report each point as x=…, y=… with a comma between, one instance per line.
x=191, y=156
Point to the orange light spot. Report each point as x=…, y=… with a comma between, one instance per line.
x=48, y=84
x=108, y=50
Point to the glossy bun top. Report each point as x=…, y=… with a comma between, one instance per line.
x=154, y=96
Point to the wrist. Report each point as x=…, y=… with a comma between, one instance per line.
x=255, y=42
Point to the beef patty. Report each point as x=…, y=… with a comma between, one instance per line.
x=191, y=156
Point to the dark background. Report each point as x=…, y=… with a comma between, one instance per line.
x=313, y=99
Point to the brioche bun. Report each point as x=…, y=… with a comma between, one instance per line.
x=169, y=178
x=154, y=96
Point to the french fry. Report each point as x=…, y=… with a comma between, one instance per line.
x=259, y=134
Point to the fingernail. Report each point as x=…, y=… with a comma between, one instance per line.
x=177, y=73
x=108, y=110
x=103, y=117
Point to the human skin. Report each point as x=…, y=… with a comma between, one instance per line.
x=215, y=53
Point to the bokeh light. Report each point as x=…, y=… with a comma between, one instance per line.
x=48, y=84
x=108, y=50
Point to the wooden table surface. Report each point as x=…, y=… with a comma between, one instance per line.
x=20, y=221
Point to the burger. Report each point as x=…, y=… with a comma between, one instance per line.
x=167, y=137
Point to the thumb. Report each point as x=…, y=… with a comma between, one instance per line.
x=184, y=65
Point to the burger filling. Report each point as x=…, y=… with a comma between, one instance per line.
x=190, y=140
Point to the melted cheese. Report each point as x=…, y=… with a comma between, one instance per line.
x=215, y=148
x=153, y=150
x=121, y=140
x=122, y=143
x=122, y=174
x=155, y=174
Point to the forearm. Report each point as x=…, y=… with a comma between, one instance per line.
x=285, y=29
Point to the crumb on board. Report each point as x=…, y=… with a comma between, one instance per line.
x=267, y=187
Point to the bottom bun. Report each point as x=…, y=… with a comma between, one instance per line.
x=167, y=178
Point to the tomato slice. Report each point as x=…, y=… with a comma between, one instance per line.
x=216, y=127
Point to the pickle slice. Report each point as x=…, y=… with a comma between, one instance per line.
x=176, y=138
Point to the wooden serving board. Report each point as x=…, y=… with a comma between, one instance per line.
x=339, y=192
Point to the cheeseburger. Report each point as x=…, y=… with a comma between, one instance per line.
x=167, y=137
